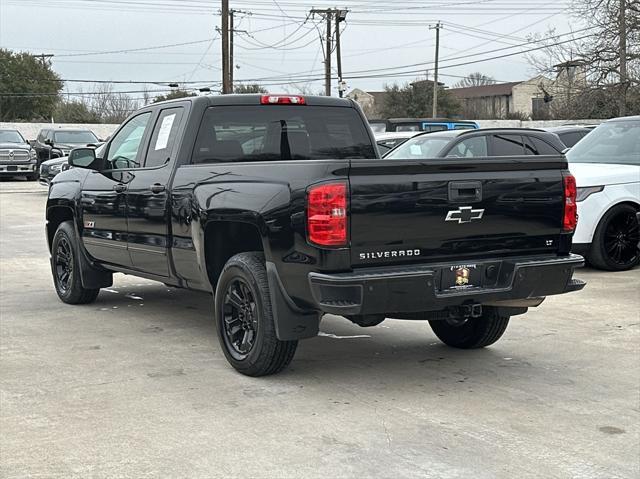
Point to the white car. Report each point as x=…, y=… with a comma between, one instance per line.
x=387, y=141
x=606, y=165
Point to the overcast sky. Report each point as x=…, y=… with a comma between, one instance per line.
x=282, y=43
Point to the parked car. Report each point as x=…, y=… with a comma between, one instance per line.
x=569, y=135
x=421, y=124
x=479, y=143
x=388, y=141
x=17, y=157
x=50, y=168
x=582, y=125
x=55, y=143
x=606, y=165
x=182, y=196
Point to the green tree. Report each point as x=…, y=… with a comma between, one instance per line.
x=29, y=88
x=249, y=88
x=74, y=112
x=416, y=100
x=173, y=95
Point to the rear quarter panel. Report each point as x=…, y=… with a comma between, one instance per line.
x=269, y=195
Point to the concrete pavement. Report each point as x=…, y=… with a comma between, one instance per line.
x=135, y=385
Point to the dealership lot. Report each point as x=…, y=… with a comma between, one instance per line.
x=136, y=385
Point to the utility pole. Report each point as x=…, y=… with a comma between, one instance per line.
x=623, y=58
x=341, y=16
x=231, y=32
x=434, y=112
x=225, y=47
x=43, y=57
x=327, y=57
x=327, y=13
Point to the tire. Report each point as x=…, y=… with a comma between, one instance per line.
x=615, y=242
x=65, y=267
x=473, y=333
x=244, y=318
x=32, y=177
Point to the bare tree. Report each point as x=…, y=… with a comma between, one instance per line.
x=112, y=106
x=475, y=79
x=602, y=60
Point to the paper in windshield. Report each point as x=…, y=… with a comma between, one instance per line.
x=165, y=131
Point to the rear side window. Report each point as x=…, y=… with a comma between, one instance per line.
x=470, y=148
x=407, y=127
x=463, y=126
x=431, y=128
x=164, y=137
x=536, y=146
x=281, y=132
x=507, y=145
x=571, y=138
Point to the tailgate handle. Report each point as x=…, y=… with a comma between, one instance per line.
x=467, y=191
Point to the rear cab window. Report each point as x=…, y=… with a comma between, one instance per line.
x=241, y=133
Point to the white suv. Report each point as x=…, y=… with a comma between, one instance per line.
x=606, y=165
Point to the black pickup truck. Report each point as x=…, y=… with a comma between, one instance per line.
x=282, y=208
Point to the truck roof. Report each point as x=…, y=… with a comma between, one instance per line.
x=254, y=99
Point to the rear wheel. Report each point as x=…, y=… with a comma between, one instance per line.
x=616, y=240
x=244, y=318
x=471, y=333
x=66, y=267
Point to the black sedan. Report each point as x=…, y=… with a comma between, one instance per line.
x=478, y=143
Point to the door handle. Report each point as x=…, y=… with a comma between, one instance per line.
x=157, y=188
x=467, y=191
x=119, y=188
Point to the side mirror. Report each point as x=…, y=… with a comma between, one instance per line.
x=48, y=142
x=83, y=158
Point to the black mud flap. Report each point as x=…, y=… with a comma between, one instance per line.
x=292, y=323
x=92, y=277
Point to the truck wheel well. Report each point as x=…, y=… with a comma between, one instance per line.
x=55, y=216
x=223, y=239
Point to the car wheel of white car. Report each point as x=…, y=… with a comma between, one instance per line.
x=616, y=240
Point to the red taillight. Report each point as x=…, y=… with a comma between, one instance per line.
x=327, y=214
x=282, y=100
x=570, y=218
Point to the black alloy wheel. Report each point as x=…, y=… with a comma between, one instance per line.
x=66, y=269
x=621, y=237
x=63, y=262
x=244, y=318
x=240, y=315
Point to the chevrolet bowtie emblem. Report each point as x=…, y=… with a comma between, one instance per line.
x=464, y=214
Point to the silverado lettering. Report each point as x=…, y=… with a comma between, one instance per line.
x=390, y=254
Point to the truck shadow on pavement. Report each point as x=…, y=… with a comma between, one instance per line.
x=393, y=352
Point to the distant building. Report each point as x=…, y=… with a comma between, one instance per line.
x=503, y=100
x=370, y=101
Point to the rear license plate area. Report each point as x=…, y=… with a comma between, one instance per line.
x=461, y=276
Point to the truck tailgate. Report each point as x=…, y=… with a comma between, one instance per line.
x=403, y=211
